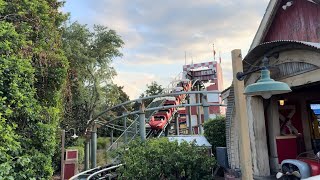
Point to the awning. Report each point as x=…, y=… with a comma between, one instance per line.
x=269, y=48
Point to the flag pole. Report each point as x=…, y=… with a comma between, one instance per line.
x=214, y=52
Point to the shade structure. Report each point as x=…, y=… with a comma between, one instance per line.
x=266, y=87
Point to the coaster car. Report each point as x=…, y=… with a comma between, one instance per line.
x=305, y=166
x=158, y=122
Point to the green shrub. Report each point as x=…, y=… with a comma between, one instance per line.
x=103, y=142
x=215, y=132
x=80, y=142
x=161, y=159
x=102, y=157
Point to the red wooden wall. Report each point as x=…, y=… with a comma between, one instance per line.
x=299, y=22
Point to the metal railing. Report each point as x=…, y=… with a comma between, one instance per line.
x=100, y=173
x=132, y=130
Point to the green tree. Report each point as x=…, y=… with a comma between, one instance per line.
x=89, y=80
x=32, y=74
x=215, y=132
x=115, y=95
x=153, y=89
x=161, y=159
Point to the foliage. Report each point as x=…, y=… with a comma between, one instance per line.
x=80, y=141
x=161, y=159
x=153, y=89
x=114, y=95
x=89, y=80
x=32, y=74
x=215, y=132
x=103, y=142
x=102, y=157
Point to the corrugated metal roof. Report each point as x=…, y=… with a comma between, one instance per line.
x=199, y=140
x=268, y=48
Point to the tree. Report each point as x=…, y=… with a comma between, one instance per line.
x=215, y=132
x=89, y=81
x=32, y=74
x=153, y=89
x=115, y=95
x=161, y=159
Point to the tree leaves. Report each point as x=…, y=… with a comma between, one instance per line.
x=215, y=132
x=161, y=159
x=89, y=82
x=32, y=74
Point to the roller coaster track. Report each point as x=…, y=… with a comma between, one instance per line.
x=131, y=132
x=121, y=140
x=101, y=172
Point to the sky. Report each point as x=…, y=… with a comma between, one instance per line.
x=159, y=33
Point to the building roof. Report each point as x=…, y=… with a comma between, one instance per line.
x=267, y=20
x=268, y=48
x=199, y=140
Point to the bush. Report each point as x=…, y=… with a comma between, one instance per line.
x=102, y=142
x=102, y=157
x=215, y=132
x=161, y=159
x=80, y=142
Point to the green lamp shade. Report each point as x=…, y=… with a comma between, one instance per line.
x=266, y=87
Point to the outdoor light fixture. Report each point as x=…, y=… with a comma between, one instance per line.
x=281, y=102
x=74, y=136
x=288, y=4
x=265, y=87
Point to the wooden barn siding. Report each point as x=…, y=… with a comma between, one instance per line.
x=299, y=22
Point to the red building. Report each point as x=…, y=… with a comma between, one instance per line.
x=210, y=75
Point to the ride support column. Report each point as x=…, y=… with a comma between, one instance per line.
x=111, y=137
x=189, y=117
x=142, y=121
x=205, y=107
x=177, y=124
x=125, y=129
x=94, y=146
x=87, y=154
x=199, y=111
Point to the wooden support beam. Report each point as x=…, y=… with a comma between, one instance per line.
x=240, y=101
x=258, y=136
x=273, y=132
x=305, y=118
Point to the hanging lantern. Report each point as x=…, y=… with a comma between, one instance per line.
x=266, y=87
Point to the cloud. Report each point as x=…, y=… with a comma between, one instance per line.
x=158, y=33
x=135, y=83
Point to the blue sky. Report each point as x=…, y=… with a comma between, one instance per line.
x=157, y=33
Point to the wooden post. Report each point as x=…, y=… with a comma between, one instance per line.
x=63, y=135
x=305, y=123
x=240, y=104
x=258, y=136
x=273, y=132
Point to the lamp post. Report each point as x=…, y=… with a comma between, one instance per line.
x=265, y=87
x=63, y=135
